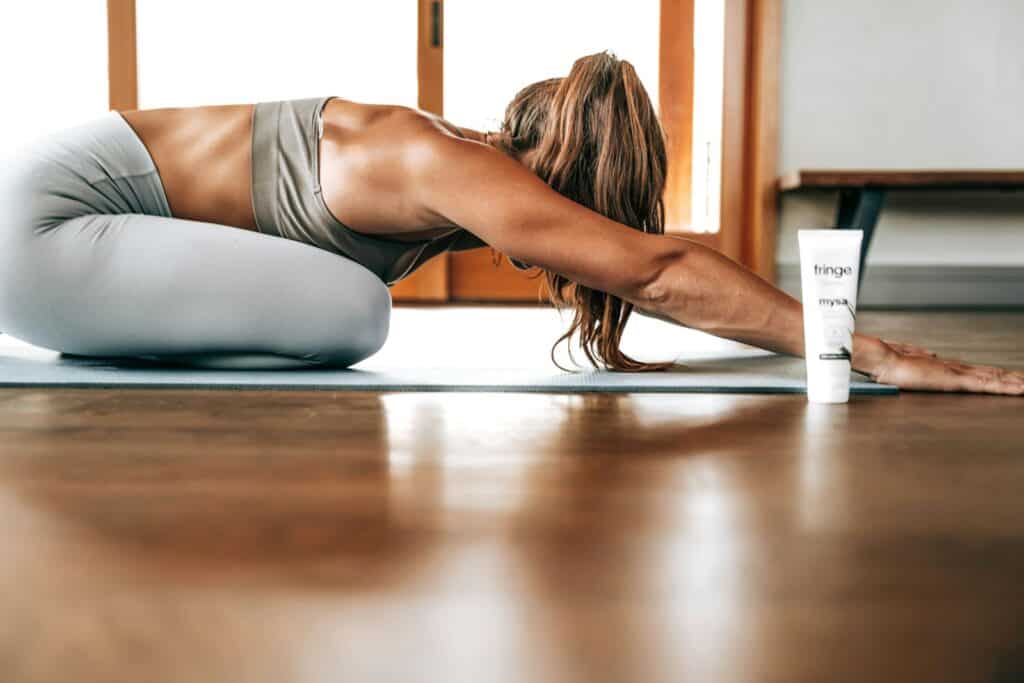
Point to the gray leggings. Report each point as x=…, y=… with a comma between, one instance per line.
x=92, y=263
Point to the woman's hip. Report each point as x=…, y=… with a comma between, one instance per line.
x=99, y=167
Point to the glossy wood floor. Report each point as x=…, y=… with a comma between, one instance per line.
x=316, y=536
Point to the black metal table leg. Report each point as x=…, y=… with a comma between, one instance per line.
x=858, y=210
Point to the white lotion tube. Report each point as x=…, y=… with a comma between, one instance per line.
x=829, y=267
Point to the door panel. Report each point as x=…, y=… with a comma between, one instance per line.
x=475, y=277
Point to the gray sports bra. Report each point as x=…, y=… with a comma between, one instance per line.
x=287, y=200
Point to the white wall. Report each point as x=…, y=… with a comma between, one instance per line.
x=54, y=73
x=907, y=84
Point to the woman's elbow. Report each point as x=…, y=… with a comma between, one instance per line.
x=659, y=286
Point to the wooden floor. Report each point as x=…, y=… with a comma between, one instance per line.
x=317, y=536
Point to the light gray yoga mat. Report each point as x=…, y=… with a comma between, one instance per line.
x=746, y=374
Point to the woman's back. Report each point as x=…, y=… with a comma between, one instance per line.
x=204, y=156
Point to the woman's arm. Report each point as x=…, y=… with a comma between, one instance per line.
x=702, y=289
x=474, y=186
x=506, y=205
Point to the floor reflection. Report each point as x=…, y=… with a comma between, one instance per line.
x=461, y=537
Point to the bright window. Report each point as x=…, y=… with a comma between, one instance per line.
x=492, y=49
x=708, y=80
x=196, y=52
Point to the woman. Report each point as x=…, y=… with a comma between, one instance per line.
x=265, y=235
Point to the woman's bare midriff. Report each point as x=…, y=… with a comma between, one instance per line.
x=204, y=156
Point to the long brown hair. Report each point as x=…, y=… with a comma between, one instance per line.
x=598, y=141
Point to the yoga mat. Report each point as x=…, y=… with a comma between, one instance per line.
x=746, y=374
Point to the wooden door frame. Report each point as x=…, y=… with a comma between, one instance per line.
x=761, y=135
x=748, y=201
x=675, y=100
x=122, y=60
x=750, y=117
x=432, y=281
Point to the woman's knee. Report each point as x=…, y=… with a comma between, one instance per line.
x=378, y=316
x=369, y=324
x=356, y=320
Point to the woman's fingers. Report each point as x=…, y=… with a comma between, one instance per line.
x=989, y=380
x=929, y=373
x=914, y=367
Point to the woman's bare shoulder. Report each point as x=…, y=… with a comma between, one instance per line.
x=398, y=123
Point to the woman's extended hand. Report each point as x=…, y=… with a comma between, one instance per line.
x=912, y=367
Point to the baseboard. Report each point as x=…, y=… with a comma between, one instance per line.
x=928, y=286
